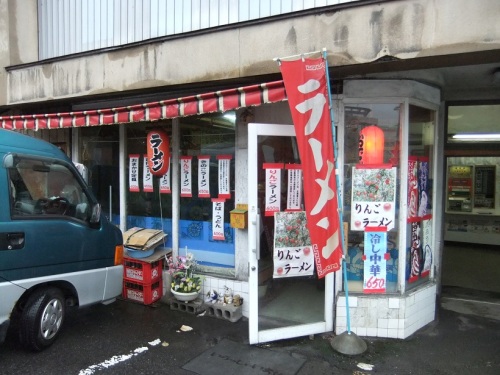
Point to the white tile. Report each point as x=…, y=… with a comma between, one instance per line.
x=341, y=321
x=353, y=301
x=244, y=287
x=393, y=323
x=382, y=332
x=394, y=303
x=392, y=333
x=340, y=329
x=237, y=287
x=372, y=332
x=361, y=331
x=383, y=323
x=341, y=311
x=341, y=302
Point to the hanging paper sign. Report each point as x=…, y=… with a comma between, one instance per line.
x=306, y=88
x=204, y=176
x=273, y=188
x=426, y=245
x=133, y=173
x=375, y=257
x=293, y=255
x=373, y=197
x=158, y=152
x=423, y=187
x=224, y=176
x=412, y=188
x=415, y=250
x=294, y=187
x=218, y=219
x=147, y=177
x=186, y=176
x=165, y=187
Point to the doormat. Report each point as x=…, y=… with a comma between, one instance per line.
x=229, y=357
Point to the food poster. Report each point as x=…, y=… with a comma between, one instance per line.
x=426, y=247
x=415, y=256
x=412, y=188
x=373, y=198
x=375, y=258
x=293, y=255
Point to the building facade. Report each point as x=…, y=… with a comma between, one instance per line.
x=95, y=77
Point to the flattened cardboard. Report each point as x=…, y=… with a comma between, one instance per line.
x=143, y=239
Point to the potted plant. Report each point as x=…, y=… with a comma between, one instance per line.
x=185, y=284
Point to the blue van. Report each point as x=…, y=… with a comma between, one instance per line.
x=56, y=248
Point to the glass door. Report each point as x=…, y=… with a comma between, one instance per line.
x=280, y=306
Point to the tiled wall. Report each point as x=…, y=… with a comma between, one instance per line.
x=385, y=315
x=238, y=287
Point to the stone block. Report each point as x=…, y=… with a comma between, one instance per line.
x=192, y=307
x=221, y=311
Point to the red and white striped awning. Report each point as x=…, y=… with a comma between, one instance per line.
x=218, y=101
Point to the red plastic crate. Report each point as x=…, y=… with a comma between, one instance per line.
x=143, y=272
x=143, y=293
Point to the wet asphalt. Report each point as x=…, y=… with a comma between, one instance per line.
x=130, y=338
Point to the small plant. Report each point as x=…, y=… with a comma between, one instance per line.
x=182, y=270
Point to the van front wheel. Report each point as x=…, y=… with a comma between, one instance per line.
x=42, y=319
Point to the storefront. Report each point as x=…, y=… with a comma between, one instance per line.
x=219, y=157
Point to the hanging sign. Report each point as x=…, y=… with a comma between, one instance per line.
x=293, y=255
x=375, y=257
x=186, y=176
x=218, y=219
x=294, y=187
x=133, y=173
x=204, y=176
x=373, y=197
x=224, y=176
x=427, y=250
x=415, y=250
x=371, y=145
x=412, y=188
x=165, y=187
x=423, y=187
x=147, y=177
x=158, y=152
x=273, y=188
x=307, y=92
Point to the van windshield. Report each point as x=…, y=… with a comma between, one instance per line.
x=41, y=188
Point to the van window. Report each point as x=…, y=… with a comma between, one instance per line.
x=43, y=189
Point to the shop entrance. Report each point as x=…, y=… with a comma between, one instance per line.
x=281, y=305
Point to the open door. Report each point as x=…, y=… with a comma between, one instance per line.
x=279, y=307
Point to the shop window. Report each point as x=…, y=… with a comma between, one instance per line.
x=207, y=175
x=149, y=205
x=371, y=196
x=469, y=124
x=419, y=249
x=99, y=148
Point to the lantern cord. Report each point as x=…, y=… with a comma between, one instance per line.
x=339, y=203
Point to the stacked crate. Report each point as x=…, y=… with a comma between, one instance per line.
x=142, y=279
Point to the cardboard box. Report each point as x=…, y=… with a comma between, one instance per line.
x=143, y=239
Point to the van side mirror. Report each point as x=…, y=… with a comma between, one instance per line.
x=95, y=217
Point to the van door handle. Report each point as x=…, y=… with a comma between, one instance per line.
x=14, y=240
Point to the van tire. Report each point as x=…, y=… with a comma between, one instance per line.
x=42, y=319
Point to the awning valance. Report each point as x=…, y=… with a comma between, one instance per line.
x=217, y=101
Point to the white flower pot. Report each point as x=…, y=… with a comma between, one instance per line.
x=185, y=297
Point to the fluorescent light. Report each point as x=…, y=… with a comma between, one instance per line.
x=477, y=136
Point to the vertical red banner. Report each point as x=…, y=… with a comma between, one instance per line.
x=306, y=88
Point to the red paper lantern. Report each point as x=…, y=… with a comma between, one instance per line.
x=158, y=152
x=371, y=145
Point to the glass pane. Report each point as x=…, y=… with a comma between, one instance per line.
x=386, y=117
x=209, y=142
x=100, y=154
x=473, y=123
x=420, y=254
x=147, y=209
x=286, y=297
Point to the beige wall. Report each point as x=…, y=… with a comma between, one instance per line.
x=403, y=29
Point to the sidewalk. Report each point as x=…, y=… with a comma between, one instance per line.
x=455, y=343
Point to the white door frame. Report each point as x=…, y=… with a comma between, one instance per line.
x=256, y=336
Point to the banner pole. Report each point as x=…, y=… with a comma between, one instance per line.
x=348, y=342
